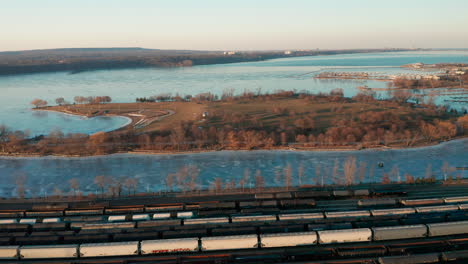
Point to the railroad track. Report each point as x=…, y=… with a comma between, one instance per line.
x=259, y=219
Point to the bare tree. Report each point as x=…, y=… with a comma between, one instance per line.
x=288, y=176
x=362, y=171
x=300, y=174
x=395, y=173
x=259, y=181
x=445, y=169
x=318, y=174
x=429, y=171
x=39, y=103
x=20, y=180
x=60, y=100
x=335, y=168
x=170, y=181
x=74, y=185
x=100, y=181
x=350, y=170
x=131, y=184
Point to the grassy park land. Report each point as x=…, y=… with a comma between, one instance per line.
x=284, y=120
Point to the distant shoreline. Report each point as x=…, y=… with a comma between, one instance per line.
x=76, y=61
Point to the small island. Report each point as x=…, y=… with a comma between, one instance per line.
x=282, y=120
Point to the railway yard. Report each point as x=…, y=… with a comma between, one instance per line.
x=359, y=224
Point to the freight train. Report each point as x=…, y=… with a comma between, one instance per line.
x=238, y=242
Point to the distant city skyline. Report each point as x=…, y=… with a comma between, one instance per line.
x=233, y=25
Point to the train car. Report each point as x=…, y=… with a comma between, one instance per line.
x=298, y=203
x=121, y=225
x=8, y=221
x=283, y=195
x=229, y=242
x=109, y=249
x=253, y=218
x=11, y=213
x=459, y=199
x=162, y=246
x=410, y=259
x=159, y=223
x=417, y=202
x=377, y=202
x=450, y=228
x=213, y=220
x=264, y=196
x=396, y=211
x=51, y=220
x=43, y=213
x=435, y=209
x=49, y=251
x=313, y=194
x=399, y=232
x=161, y=216
x=342, y=193
x=184, y=214
x=344, y=235
x=9, y=252
x=140, y=217
x=285, y=217
x=49, y=226
x=217, y=205
x=363, y=213
x=116, y=218
x=125, y=210
x=73, y=212
x=29, y=221
x=361, y=192
x=164, y=208
x=288, y=239
x=463, y=206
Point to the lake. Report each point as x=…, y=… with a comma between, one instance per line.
x=126, y=85
x=44, y=174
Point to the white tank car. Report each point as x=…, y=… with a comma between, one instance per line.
x=109, y=249
x=9, y=252
x=451, y=228
x=48, y=252
x=344, y=235
x=399, y=232
x=169, y=246
x=288, y=239
x=229, y=242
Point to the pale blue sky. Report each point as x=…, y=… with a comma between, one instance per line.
x=233, y=25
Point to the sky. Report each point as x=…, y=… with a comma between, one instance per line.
x=233, y=25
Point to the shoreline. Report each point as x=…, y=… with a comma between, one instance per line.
x=127, y=123
x=171, y=153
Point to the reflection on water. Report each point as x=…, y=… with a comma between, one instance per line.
x=152, y=170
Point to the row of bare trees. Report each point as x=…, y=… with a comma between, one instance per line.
x=186, y=179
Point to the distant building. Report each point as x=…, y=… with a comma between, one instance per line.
x=205, y=114
x=229, y=53
x=288, y=52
